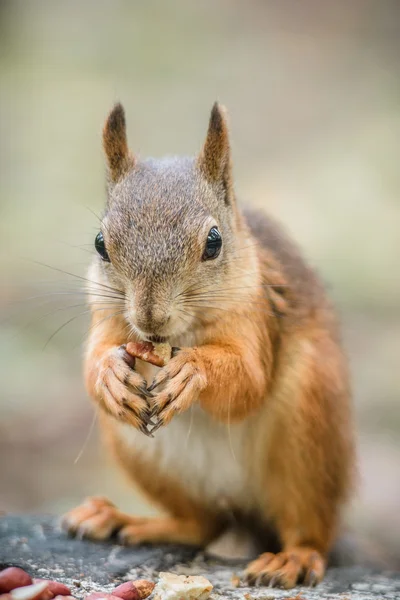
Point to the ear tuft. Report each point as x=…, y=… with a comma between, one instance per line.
x=214, y=160
x=119, y=158
x=218, y=118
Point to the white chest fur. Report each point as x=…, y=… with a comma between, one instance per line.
x=207, y=457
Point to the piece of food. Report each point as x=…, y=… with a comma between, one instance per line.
x=134, y=590
x=156, y=354
x=101, y=596
x=36, y=591
x=126, y=591
x=55, y=588
x=144, y=587
x=182, y=587
x=13, y=577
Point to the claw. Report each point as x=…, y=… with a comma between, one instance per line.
x=159, y=379
x=143, y=390
x=312, y=579
x=273, y=581
x=80, y=533
x=146, y=418
x=157, y=410
x=130, y=360
x=156, y=427
x=153, y=385
x=146, y=432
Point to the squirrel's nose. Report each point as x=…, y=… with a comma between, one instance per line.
x=150, y=322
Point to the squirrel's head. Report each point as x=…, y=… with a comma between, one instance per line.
x=167, y=238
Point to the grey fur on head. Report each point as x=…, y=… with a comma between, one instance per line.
x=158, y=215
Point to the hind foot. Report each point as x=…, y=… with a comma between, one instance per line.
x=287, y=569
x=99, y=519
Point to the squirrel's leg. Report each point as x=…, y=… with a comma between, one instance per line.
x=189, y=521
x=308, y=470
x=98, y=519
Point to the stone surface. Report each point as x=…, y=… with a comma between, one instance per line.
x=37, y=545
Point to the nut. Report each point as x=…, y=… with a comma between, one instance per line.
x=155, y=354
x=55, y=588
x=101, y=596
x=134, y=590
x=126, y=591
x=36, y=591
x=144, y=587
x=12, y=578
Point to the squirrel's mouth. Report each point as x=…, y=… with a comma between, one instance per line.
x=157, y=339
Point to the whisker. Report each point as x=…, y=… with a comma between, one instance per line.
x=190, y=291
x=185, y=321
x=100, y=219
x=74, y=275
x=94, y=325
x=85, y=312
x=56, y=310
x=69, y=293
x=190, y=427
x=83, y=291
x=120, y=312
x=48, y=297
x=243, y=299
x=256, y=306
x=213, y=307
x=76, y=246
x=20, y=307
x=189, y=314
x=229, y=430
x=253, y=245
x=89, y=434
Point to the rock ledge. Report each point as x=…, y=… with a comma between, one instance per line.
x=36, y=544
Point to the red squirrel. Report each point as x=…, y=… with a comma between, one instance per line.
x=252, y=415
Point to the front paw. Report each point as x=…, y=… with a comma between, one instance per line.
x=184, y=378
x=121, y=391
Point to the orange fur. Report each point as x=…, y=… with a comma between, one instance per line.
x=98, y=519
x=305, y=474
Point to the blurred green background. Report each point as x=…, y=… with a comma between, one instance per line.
x=313, y=92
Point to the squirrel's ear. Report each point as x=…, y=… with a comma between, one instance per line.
x=215, y=158
x=119, y=158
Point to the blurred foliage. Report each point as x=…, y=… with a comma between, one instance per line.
x=312, y=90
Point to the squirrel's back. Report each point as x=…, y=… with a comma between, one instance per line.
x=298, y=287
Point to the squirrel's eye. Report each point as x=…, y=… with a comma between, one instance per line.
x=213, y=244
x=101, y=247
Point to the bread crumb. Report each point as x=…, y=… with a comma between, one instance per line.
x=182, y=587
x=163, y=351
